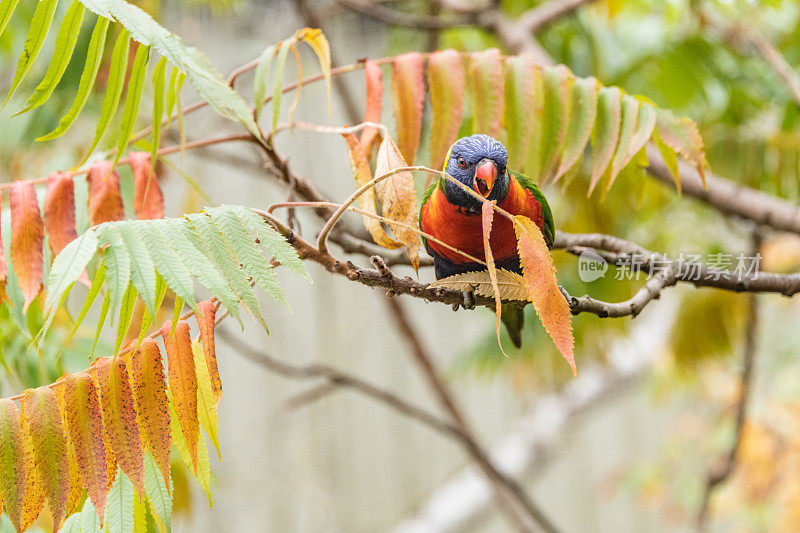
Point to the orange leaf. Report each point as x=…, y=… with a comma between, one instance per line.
x=408, y=95
x=363, y=175
x=119, y=418
x=373, y=80
x=59, y=211
x=81, y=411
x=446, y=84
x=152, y=407
x=487, y=217
x=41, y=422
x=105, y=200
x=206, y=323
x=183, y=382
x=681, y=135
x=148, y=201
x=398, y=197
x=539, y=274
x=488, y=94
x=3, y=266
x=27, y=236
x=19, y=490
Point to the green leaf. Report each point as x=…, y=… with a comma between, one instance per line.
x=119, y=506
x=277, y=83
x=281, y=250
x=159, y=73
x=670, y=159
x=118, y=263
x=177, y=232
x=260, y=78
x=90, y=522
x=584, y=112
x=630, y=113
x=158, y=494
x=97, y=7
x=100, y=321
x=606, y=132
x=66, y=39
x=203, y=472
x=217, y=250
x=6, y=10
x=558, y=83
x=68, y=266
x=147, y=320
x=519, y=113
x=37, y=32
x=132, y=99
x=114, y=86
x=143, y=271
x=247, y=252
x=91, y=296
x=167, y=262
x=94, y=56
x=125, y=316
x=72, y=524
x=172, y=89
x=177, y=310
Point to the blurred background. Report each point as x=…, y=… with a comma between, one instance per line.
x=628, y=445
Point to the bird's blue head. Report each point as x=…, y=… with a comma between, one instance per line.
x=479, y=162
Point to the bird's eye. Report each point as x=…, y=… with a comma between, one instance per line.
x=462, y=162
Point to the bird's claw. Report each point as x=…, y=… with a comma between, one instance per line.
x=467, y=300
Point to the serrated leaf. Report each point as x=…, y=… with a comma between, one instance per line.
x=62, y=52
x=27, y=237
x=133, y=98
x=14, y=455
x=670, y=159
x=118, y=263
x=447, y=86
x=558, y=82
x=487, y=217
x=91, y=296
x=94, y=56
x=583, y=113
x=510, y=284
x=523, y=110
x=125, y=316
x=681, y=135
x=486, y=76
x=59, y=211
x=119, y=510
x=247, y=252
x=267, y=236
x=215, y=249
x=152, y=411
x=359, y=164
x=373, y=82
x=116, y=82
x=201, y=469
x=90, y=519
x=277, y=83
x=148, y=200
x=261, y=77
x=630, y=113
x=143, y=271
x=168, y=263
x=183, y=383
x=539, y=274
x=37, y=32
x=41, y=422
x=157, y=488
x=206, y=403
x=398, y=197
x=206, y=324
x=119, y=419
x=84, y=426
x=159, y=75
x=177, y=232
x=606, y=132
x=408, y=95
x=68, y=266
x=319, y=44
x=100, y=321
x=105, y=199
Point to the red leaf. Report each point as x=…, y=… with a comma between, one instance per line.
x=447, y=86
x=27, y=236
x=183, y=382
x=206, y=323
x=373, y=80
x=3, y=266
x=487, y=217
x=105, y=200
x=408, y=94
x=148, y=201
x=543, y=291
x=41, y=421
x=81, y=410
x=119, y=418
x=12, y=463
x=152, y=405
x=59, y=211
x=488, y=94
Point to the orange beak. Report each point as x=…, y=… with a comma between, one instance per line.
x=485, y=174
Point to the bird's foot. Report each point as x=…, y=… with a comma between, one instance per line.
x=468, y=300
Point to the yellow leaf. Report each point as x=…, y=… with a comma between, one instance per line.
x=398, y=197
x=510, y=284
x=206, y=406
x=319, y=43
x=487, y=216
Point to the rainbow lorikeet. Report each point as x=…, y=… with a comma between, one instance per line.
x=454, y=216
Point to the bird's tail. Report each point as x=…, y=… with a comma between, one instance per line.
x=514, y=318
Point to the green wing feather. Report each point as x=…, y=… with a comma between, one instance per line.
x=425, y=198
x=548, y=226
